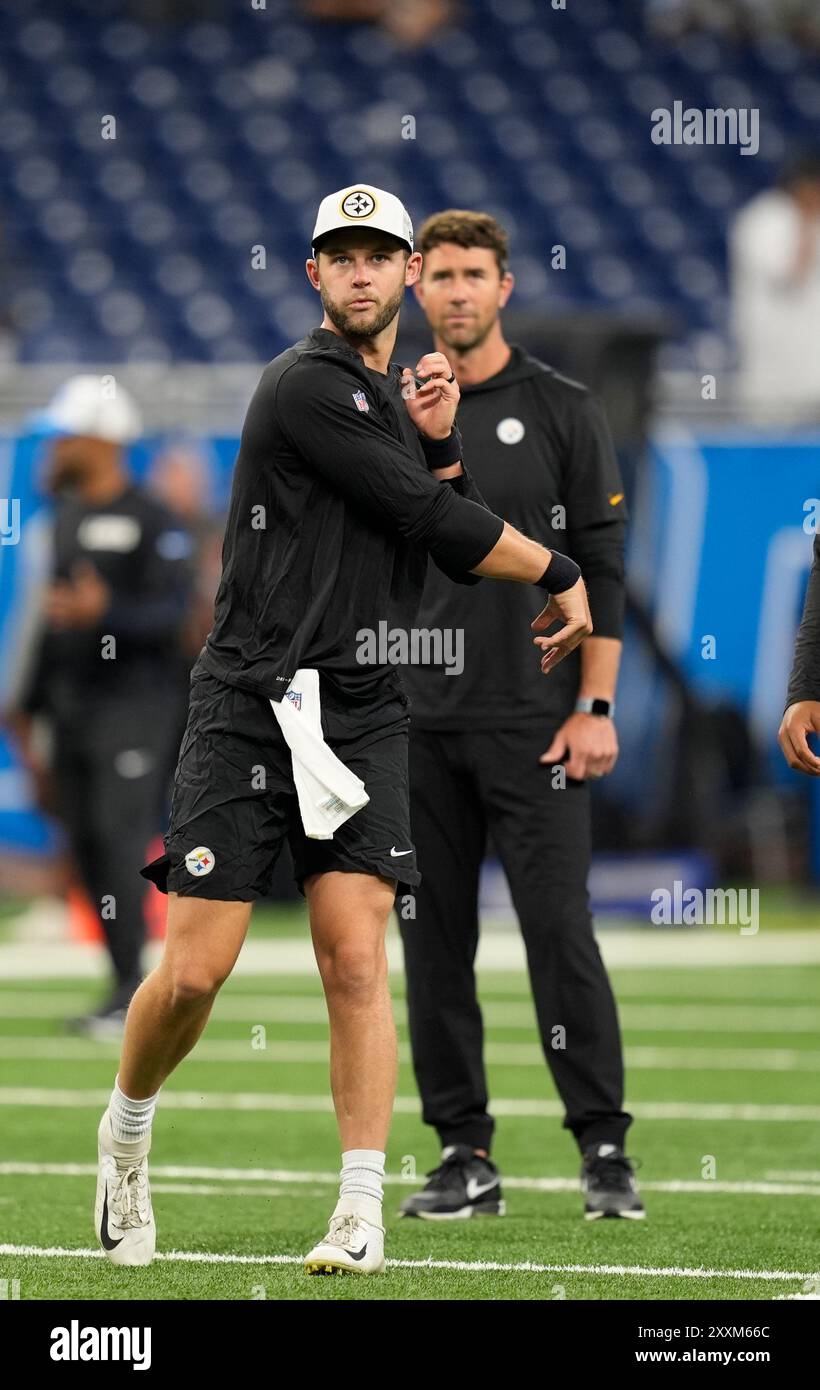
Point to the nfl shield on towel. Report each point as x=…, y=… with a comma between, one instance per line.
x=361, y=400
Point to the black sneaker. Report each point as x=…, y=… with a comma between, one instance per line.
x=108, y=1021
x=608, y=1184
x=463, y=1185
x=105, y=1024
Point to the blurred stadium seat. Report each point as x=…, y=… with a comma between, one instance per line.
x=138, y=248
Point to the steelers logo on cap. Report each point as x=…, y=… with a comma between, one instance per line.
x=358, y=204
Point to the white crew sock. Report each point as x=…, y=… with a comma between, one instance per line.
x=131, y=1120
x=362, y=1177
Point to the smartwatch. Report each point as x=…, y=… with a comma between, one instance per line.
x=585, y=704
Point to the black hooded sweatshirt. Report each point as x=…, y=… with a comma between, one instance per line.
x=541, y=454
x=333, y=514
x=804, y=681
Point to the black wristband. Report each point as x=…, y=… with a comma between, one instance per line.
x=561, y=573
x=441, y=453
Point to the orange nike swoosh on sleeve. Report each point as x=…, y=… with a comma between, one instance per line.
x=615, y=499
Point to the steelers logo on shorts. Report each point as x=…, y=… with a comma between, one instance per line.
x=358, y=204
x=510, y=431
x=199, y=861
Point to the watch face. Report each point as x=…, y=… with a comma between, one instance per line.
x=600, y=707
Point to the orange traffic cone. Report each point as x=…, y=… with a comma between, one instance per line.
x=83, y=919
x=155, y=904
x=84, y=923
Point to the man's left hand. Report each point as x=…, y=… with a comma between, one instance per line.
x=78, y=602
x=433, y=408
x=592, y=744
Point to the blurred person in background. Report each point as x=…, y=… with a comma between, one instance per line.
x=484, y=745
x=748, y=19
x=8, y=328
x=774, y=249
x=181, y=477
x=801, y=718
x=411, y=26
x=103, y=670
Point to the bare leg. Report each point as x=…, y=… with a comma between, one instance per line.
x=172, y=1006
x=348, y=921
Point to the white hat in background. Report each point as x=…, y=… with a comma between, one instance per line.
x=94, y=406
x=362, y=205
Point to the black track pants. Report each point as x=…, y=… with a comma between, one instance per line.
x=463, y=785
x=111, y=772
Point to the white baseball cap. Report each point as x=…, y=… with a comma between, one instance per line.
x=91, y=405
x=362, y=205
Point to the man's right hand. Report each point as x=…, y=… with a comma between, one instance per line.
x=571, y=606
x=20, y=726
x=800, y=720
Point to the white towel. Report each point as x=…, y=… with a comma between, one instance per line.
x=329, y=793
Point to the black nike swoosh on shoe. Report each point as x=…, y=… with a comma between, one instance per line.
x=358, y=1254
x=107, y=1242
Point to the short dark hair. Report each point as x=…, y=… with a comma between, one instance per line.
x=466, y=229
x=804, y=165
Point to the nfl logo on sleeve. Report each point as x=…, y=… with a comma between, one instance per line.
x=361, y=400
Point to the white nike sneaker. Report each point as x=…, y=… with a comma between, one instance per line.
x=123, y=1218
x=351, y=1246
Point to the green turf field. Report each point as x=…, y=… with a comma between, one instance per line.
x=723, y=1076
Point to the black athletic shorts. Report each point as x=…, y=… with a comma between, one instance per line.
x=234, y=801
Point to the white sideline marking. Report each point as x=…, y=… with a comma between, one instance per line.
x=712, y=1017
x=406, y=1105
x=291, y=1177
x=721, y=1059
x=499, y=950
x=176, y=1170
x=196, y=1189
x=469, y=1266
x=501, y=1054
x=790, y=1175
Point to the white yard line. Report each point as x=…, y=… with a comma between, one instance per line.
x=793, y=1175
x=719, y=1059
x=174, y=1176
x=51, y=1049
x=197, y=1189
x=406, y=1105
x=500, y=950
x=712, y=1017
x=467, y=1266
